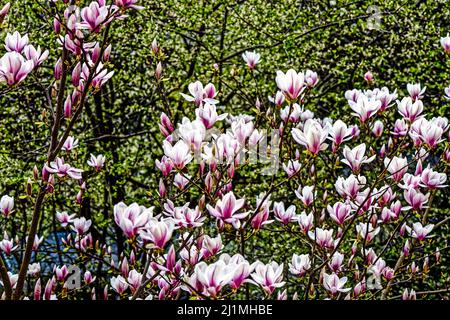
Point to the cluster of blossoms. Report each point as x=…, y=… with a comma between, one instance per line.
x=349, y=189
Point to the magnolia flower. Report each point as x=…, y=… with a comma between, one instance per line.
x=158, y=232
x=432, y=179
x=336, y=261
x=415, y=91
x=364, y=108
x=419, y=231
x=7, y=246
x=306, y=194
x=429, y=132
x=213, y=277
x=188, y=218
x=128, y=4
x=193, y=133
x=367, y=231
x=312, y=136
x=340, y=212
x=415, y=199
x=96, y=16
x=251, y=58
x=268, y=276
x=445, y=43
x=64, y=218
x=355, y=157
x=300, y=264
x=368, y=76
x=400, y=127
x=278, y=100
x=35, y=55
x=226, y=208
x=323, y=237
x=63, y=169
x=133, y=218
x=410, y=109
x=15, y=42
x=14, y=68
x=70, y=144
x=207, y=113
x=100, y=78
x=6, y=205
x=282, y=215
x=311, y=78
x=179, y=154
x=181, y=180
x=377, y=128
x=4, y=11
x=306, y=221
x=334, y=284
x=293, y=115
x=241, y=269
x=81, y=225
x=350, y=186
x=339, y=133
x=211, y=246
x=34, y=269
x=397, y=167
x=61, y=272
x=292, y=167
x=200, y=94
x=119, y=284
x=291, y=84
x=97, y=162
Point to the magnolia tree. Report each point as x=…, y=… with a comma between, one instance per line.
x=354, y=195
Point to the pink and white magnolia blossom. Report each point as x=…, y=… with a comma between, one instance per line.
x=432, y=179
x=338, y=133
x=226, y=210
x=306, y=195
x=63, y=169
x=70, y=144
x=291, y=84
x=366, y=231
x=292, y=167
x=128, y=4
x=292, y=115
x=192, y=132
x=419, y=231
x=211, y=246
x=97, y=162
x=200, y=94
x=14, y=68
x=179, y=154
x=251, y=59
x=268, y=276
x=283, y=215
x=322, y=237
x=445, y=43
x=15, y=42
x=409, y=109
x=119, y=284
x=64, y=218
x=300, y=264
x=213, y=277
x=349, y=187
x=262, y=215
x=415, y=91
x=415, y=199
x=241, y=269
x=355, y=157
x=340, y=212
x=311, y=78
x=364, y=108
x=96, y=16
x=334, y=284
x=81, y=225
x=397, y=167
x=6, y=205
x=207, y=113
x=35, y=55
x=336, y=262
x=7, y=246
x=312, y=136
x=133, y=218
x=158, y=232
